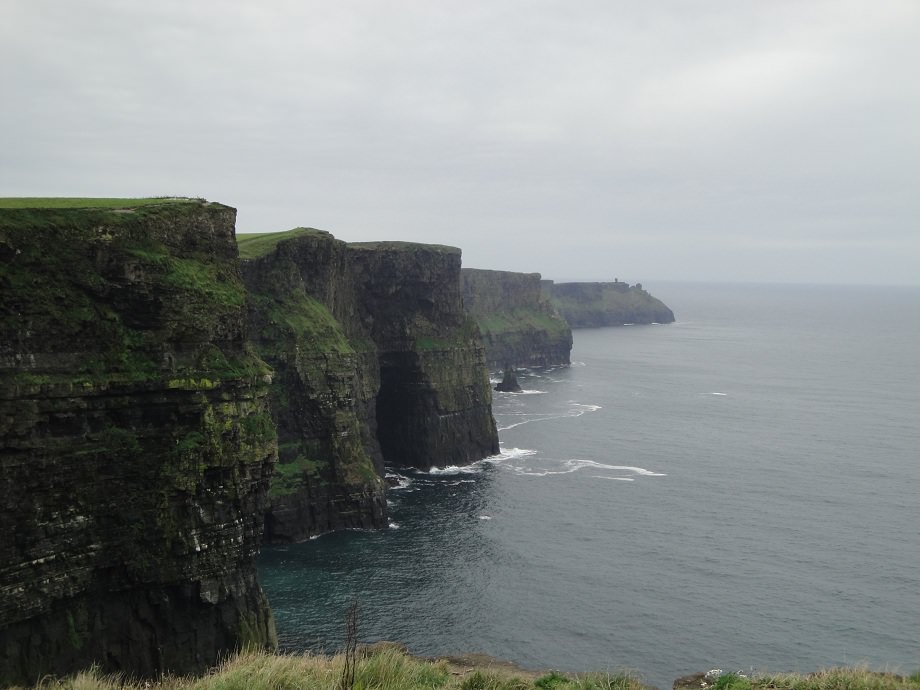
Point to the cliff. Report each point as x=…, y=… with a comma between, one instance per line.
x=304, y=322
x=519, y=326
x=435, y=404
x=588, y=305
x=136, y=440
x=374, y=360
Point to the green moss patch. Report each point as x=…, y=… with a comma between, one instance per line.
x=290, y=478
x=297, y=317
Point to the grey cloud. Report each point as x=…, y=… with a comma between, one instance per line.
x=700, y=140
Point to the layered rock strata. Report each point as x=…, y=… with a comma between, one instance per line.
x=520, y=328
x=375, y=360
x=304, y=321
x=137, y=444
x=590, y=305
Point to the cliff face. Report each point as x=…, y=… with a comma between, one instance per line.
x=136, y=442
x=588, y=305
x=374, y=359
x=304, y=322
x=519, y=326
x=435, y=403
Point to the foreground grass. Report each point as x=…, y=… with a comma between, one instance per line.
x=391, y=669
x=831, y=679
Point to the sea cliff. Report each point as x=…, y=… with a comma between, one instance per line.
x=137, y=444
x=520, y=327
x=590, y=305
x=435, y=403
x=303, y=320
x=375, y=362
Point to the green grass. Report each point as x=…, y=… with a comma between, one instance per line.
x=521, y=319
x=388, y=668
x=255, y=244
x=88, y=202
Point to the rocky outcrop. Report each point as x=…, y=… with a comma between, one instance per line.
x=435, y=404
x=137, y=444
x=519, y=326
x=589, y=305
x=304, y=321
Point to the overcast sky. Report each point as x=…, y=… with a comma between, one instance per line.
x=760, y=140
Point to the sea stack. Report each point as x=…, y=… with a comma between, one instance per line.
x=509, y=382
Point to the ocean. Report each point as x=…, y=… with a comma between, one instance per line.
x=736, y=490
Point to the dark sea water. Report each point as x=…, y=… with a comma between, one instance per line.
x=736, y=490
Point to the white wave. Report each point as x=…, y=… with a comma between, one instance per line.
x=574, y=465
x=393, y=525
x=580, y=464
x=526, y=421
x=485, y=517
x=614, y=479
x=509, y=454
x=578, y=364
x=450, y=470
x=584, y=408
x=400, y=481
x=576, y=410
x=717, y=393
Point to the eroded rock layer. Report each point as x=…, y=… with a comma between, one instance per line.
x=137, y=444
x=519, y=327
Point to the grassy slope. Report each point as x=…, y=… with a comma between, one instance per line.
x=391, y=669
x=255, y=244
x=518, y=319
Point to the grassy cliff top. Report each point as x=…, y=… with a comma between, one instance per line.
x=34, y=202
x=255, y=244
x=404, y=246
x=43, y=213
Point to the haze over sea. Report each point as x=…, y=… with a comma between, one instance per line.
x=735, y=490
